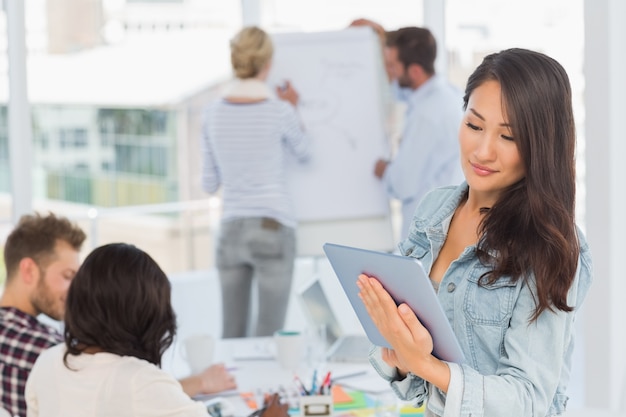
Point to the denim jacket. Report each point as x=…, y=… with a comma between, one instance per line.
x=512, y=367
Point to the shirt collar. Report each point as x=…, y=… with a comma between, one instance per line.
x=424, y=89
x=19, y=315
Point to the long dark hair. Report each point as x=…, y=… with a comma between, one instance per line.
x=531, y=231
x=119, y=302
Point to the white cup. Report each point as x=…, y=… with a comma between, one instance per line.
x=289, y=347
x=198, y=352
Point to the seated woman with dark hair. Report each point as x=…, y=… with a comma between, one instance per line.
x=118, y=323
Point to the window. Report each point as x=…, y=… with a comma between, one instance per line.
x=72, y=138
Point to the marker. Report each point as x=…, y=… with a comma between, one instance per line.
x=325, y=383
x=314, y=381
x=300, y=385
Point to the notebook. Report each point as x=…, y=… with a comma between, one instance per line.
x=340, y=347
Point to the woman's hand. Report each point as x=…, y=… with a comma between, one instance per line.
x=288, y=93
x=216, y=378
x=213, y=379
x=412, y=343
x=274, y=408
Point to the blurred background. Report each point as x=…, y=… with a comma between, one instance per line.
x=116, y=90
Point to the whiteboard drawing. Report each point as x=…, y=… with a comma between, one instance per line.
x=338, y=77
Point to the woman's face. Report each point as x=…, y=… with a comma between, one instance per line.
x=490, y=158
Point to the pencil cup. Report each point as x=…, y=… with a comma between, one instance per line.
x=316, y=405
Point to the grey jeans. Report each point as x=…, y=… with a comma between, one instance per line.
x=258, y=249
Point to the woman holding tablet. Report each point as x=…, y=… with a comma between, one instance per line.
x=510, y=267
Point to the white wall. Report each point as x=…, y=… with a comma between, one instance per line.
x=604, y=329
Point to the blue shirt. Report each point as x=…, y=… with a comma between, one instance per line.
x=513, y=367
x=246, y=149
x=428, y=155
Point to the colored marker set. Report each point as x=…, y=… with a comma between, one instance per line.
x=316, y=400
x=316, y=388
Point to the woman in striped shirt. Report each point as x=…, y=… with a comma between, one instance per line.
x=250, y=136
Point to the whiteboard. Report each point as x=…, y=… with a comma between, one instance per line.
x=340, y=78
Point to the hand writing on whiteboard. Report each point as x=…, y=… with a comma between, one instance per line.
x=380, y=167
x=288, y=93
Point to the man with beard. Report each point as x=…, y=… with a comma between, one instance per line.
x=41, y=257
x=428, y=153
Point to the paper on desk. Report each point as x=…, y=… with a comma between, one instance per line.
x=369, y=382
x=359, y=400
x=409, y=410
x=340, y=395
x=207, y=397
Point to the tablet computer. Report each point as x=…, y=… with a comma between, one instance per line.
x=406, y=281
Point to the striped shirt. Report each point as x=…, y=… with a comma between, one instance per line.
x=22, y=339
x=247, y=149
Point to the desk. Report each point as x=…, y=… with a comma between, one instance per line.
x=258, y=376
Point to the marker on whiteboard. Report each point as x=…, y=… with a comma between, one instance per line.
x=283, y=85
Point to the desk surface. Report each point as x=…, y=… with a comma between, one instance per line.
x=261, y=373
x=255, y=367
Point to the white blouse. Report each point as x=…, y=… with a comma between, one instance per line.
x=104, y=384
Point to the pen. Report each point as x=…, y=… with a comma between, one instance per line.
x=357, y=373
x=314, y=382
x=325, y=383
x=303, y=390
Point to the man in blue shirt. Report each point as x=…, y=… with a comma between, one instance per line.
x=428, y=154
